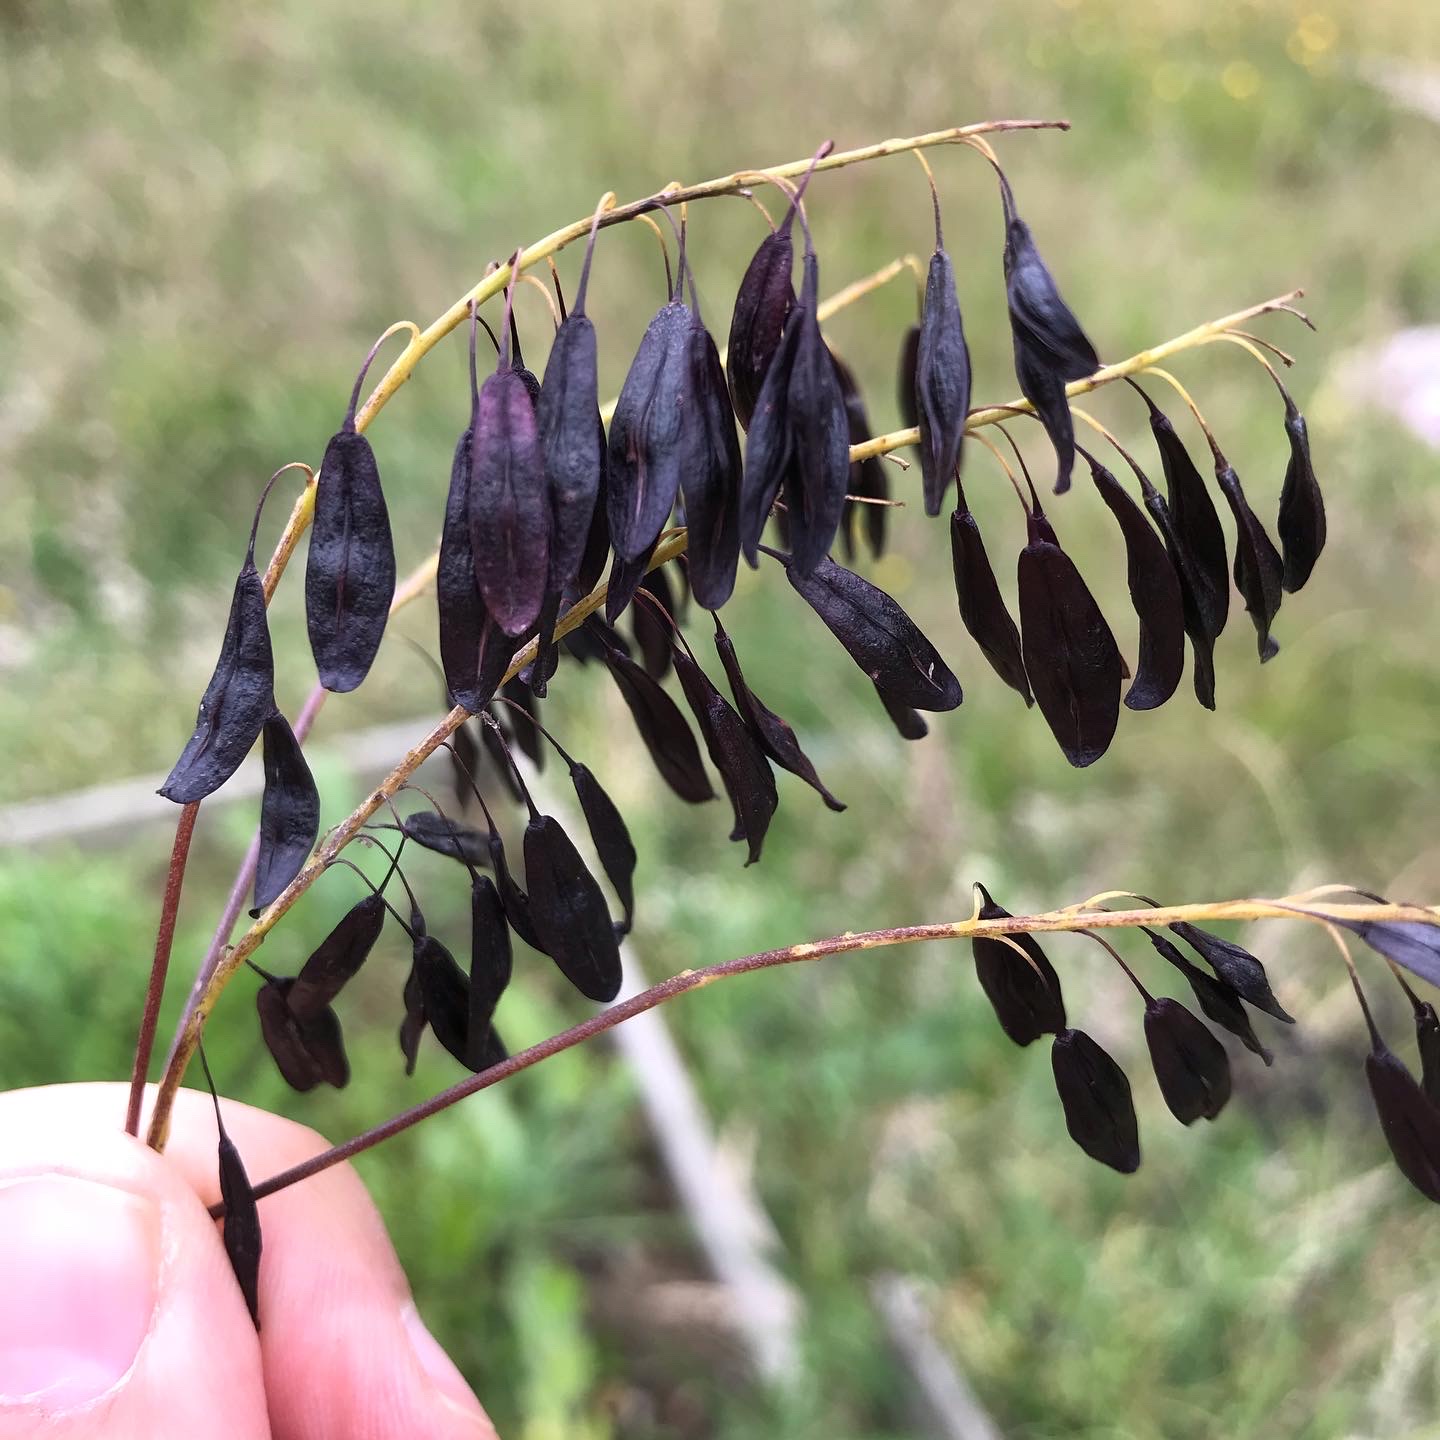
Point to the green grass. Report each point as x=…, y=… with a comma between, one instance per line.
x=205, y=235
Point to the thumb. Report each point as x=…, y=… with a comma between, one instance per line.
x=118, y=1313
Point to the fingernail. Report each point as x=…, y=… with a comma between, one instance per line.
x=437, y=1364
x=80, y=1264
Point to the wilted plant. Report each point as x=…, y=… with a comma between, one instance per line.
x=541, y=496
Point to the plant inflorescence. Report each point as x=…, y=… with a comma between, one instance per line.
x=559, y=529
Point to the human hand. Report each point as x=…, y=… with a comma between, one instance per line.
x=119, y=1315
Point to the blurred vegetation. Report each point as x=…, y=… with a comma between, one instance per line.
x=207, y=213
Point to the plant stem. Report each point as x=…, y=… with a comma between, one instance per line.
x=672, y=545
x=160, y=965
x=1072, y=920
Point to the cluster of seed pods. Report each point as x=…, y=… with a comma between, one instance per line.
x=541, y=498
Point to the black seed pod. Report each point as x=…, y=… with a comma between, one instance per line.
x=1427, y=1038
x=868, y=479
x=610, y=837
x=942, y=376
x=624, y=581
x=1095, y=1094
x=307, y=1051
x=337, y=958
x=443, y=835
x=769, y=446
x=910, y=724
x=652, y=630
x=569, y=911
x=444, y=996
x=597, y=541
x=879, y=636
x=239, y=697
x=906, y=398
x=776, y=738
x=734, y=752
x=289, y=812
x=1023, y=990
x=1155, y=595
x=509, y=503
x=1050, y=346
x=350, y=570
x=522, y=715
x=1302, y=508
x=1258, y=566
x=1409, y=1118
x=762, y=305
x=1218, y=1000
x=1236, y=966
x=490, y=967
x=663, y=728
x=1187, y=572
x=242, y=1222
x=1070, y=654
x=1190, y=1063
x=982, y=607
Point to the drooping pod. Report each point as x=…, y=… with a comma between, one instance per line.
x=1023, y=989
x=350, y=569
x=289, y=812
x=1302, y=507
x=1190, y=1064
x=868, y=480
x=1258, y=570
x=982, y=607
x=1095, y=1095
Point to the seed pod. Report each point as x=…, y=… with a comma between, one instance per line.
x=1202, y=642
x=464, y=762
x=942, y=376
x=1190, y=1063
x=652, y=630
x=908, y=401
x=243, y=1242
x=572, y=435
x=1427, y=1037
x=337, y=958
x=663, y=728
x=776, y=738
x=1409, y=1118
x=522, y=713
x=443, y=835
x=569, y=911
x=490, y=968
x=769, y=445
x=879, y=636
x=350, y=570
x=1070, y=655
x=512, y=897
x=1302, y=508
x=597, y=541
x=868, y=479
x=289, y=812
x=734, y=752
x=1155, y=595
x=1413, y=944
x=647, y=430
x=444, y=995
x=1236, y=966
x=509, y=503
x=910, y=723
x=817, y=439
x=982, y=607
x=1217, y=999
x=624, y=581
x=762, y=306
x=307, y=1051
x=1095, y=1094
x=1050, y=347
x=1195, y=521
x=1026, y=998
x=241, y=693
x=1258, y=567
x=610, y=837
x=711, y=474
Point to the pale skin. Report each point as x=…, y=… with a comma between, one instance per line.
x=119, y=1315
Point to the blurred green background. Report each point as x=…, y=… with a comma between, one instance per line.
x=206, y=214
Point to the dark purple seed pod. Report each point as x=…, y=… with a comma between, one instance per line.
x=1050, y=347
x=942, y=376
x=1155, y=596
x=515, y=901
x=1236, y=966
x=1190, y=1063
x=711, y=475
x=307, y=1052
x=1413, y=944
x=982, y=607
x=597, y=540
x=868, y=479
x=1202, y=643
x=879, y=636
x=1302, y=508
x=243, y=1241
x=624, y=581
x=910, y=724
x=610, y=837
x=442, y=835
x=337, y=959
x=734, y=752
x=1427, y=1038
x=1023, y=990
x=652, y=629
x=490, y=969
x=444, y=996
x=1095, y=1094
x=239, y=697
x=289, y=812
x=906, y=398
x=1409, y=1118
x=522, y=716
x=1195, y=521
x=1220, y=1002
x=464, y=762
x=569, y=911
x=776, y=738
x=1070, y=655
x=1258, y=566
x=663, y=728
x=350, y=569
x=769, y=445
x=762, y=306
